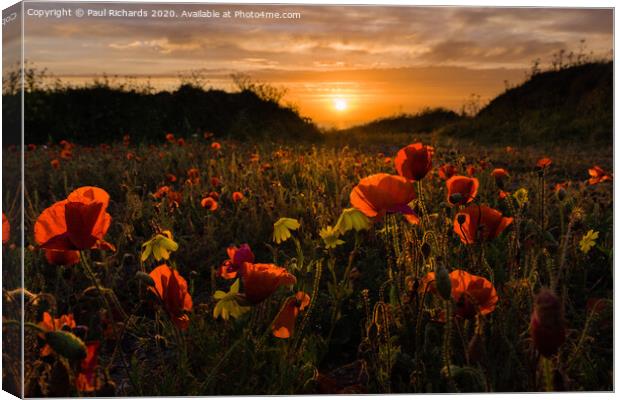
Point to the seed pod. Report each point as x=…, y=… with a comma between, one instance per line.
x=461, y=218
x=547, y=325
x=66, y=344
x=442, y=281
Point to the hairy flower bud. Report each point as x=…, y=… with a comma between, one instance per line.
x=561, y=193
x=426, y=249
x=66, y=344
x=547, y=325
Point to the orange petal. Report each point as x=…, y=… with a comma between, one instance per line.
x=51, y=223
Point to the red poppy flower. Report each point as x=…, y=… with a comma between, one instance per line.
x=461, y=189
x=237, y=197
x=284, y=324
x=171, y=178
x=193, y=173
x=254, y=158
x=236, y=257
x=77, y=223
x=171, y=288
x=209, y=203
x=379, y=194
x=216, y=146
x=62, y=257
x=598, y=175
x=170, y=138
x=387, y=160
x=214, y=195
x=472, y=294
x=414, y=161
x=161, y=192
x=262, y=280
x=499, y=173
x=32, y=147
x=471, y=170
x=88, y=379
x=547, y=325
x=502, y=194
x=6, y=229
x=130, y=156
x=477, y=223
x=174, y=198
x=215, y=181
x=181, y=142
x=66, y=154
x=208, y=135
x=55, y=163
x=48, y=324
x=543, y=162
x=126, y=140
x=447, y=171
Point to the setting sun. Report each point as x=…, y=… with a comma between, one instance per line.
x=340, y=104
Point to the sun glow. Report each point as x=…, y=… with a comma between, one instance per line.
x=340, y=104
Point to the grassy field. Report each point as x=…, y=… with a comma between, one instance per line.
x=369, y=317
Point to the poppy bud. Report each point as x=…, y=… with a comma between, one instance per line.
x=547, y=325
x=66, y=344
x=455, y=198
x=146, y=278
x=561, y=194
x=426, y=249
x=442, y=282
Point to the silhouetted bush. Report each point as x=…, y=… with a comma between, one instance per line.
x=101, y=113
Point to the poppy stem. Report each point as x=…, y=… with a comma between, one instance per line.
x=425, y=218
x=100, y=289
x=313, y=300
x=447, y=338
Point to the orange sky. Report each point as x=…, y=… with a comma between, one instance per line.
x=368, y=61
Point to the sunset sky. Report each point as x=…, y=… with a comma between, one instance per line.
x=342, y=65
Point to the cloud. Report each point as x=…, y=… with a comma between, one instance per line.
x=326, y=37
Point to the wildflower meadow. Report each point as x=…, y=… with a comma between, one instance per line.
x=207, y=266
